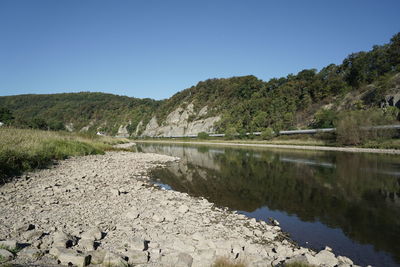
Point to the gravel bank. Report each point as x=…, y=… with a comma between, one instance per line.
x=102, y=211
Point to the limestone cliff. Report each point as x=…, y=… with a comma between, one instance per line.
x=179, y=123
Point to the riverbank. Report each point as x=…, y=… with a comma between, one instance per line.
x=27, y=149
x=103, y=209
x=263, y=145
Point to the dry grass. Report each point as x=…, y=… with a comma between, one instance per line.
x=225, y=262
x=26, y=149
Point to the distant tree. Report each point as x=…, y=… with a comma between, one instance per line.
x=230, y=133
x=6, y=116
x=202, y=135
x=39, y=123
x=267, y=134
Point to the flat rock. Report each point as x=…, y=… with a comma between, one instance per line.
x=74, y=258
x=9, y=244
x=5, y=255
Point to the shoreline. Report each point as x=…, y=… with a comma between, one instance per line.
x=297, y=147
x=104, y=210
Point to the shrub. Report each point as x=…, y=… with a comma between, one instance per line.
x=202, y=135
x=324, y=118
x=230, y=133
x=267, y=134
x=352, y=128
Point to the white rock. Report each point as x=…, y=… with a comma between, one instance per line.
x=183, y=209
x=5, y=255
x=72, y=257
x=137, y=256
x=327, y=258
x=9, y=244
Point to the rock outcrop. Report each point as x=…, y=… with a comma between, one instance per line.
x=180, y=122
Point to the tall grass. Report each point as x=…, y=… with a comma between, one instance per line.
x=25, y=149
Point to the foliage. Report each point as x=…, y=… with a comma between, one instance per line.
x=6, y=116
x=101, y=112
x=245, y=103
x=202, y=135
x=231, y=133
x=267, y=134
x=325, y=118
x=354, y=127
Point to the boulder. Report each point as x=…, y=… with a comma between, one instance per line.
x=31, y=252
x=62, y=239
x=92, y=234
x=9, y=244
x=113, y=259
x=5, y=255
x=137, y=256
x=325, y=257
x=97, y=256
x=86, y=244
x=74, y=258
x=56, y=251
x=305, y=259
x=137, y=243
x=183, y=209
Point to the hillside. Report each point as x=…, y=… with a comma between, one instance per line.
x=310, y=98
x=79, y=111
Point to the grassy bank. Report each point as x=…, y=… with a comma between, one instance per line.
x=24, y=149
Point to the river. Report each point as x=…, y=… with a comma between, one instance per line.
x=347, y=201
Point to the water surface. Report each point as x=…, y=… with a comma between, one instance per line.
x=347, y=201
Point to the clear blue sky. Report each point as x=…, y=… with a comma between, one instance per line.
x=154, y=49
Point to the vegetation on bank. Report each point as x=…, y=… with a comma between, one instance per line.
x=310, y=98
x=26, y=149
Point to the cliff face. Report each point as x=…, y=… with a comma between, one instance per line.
x=180, y=122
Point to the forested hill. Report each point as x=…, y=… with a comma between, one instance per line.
x=95, y=111
x=310, y=98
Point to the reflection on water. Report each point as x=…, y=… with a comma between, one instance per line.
x=348, y=201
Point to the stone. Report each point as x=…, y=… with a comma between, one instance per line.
x=345, y=260
x=9, y=244
x=326, y=258
x=183, y=209
x=5, y=255
x=137, y=256
x=86, y=244
x=92, y=234
x=115, y=192
x=158, y=218
x=25, y=227
x=184, y=260
x=61, y=239
x=74, y=258
x=137, y=243
x=113, y=259
x=97, y=256
x=30, y=252
x=305, y=259
x=132, y=214
x=56, y=251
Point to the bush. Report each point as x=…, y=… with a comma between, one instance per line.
x=352, y=127
x=325, y=118
x=202, y=135
x=267, y=134
x=230, y=133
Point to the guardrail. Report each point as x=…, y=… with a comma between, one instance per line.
x=306, y=131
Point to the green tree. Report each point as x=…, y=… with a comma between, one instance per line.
x=6, y=116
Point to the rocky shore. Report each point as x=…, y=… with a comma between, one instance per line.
x=103, y=211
